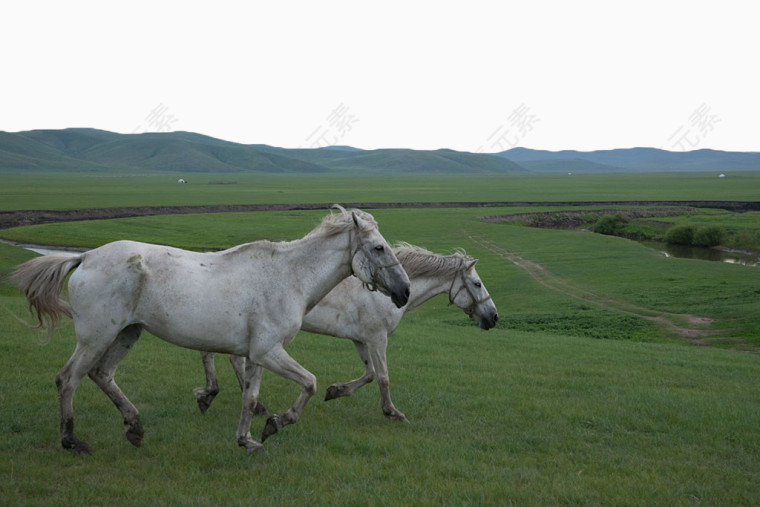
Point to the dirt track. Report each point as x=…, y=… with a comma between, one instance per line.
x=697, y=330
x=32, y=217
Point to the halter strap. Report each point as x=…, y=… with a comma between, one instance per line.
x=475, y=301
x=371, y=286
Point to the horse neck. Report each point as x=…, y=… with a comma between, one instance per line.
x=427, y=286
x=320, y=263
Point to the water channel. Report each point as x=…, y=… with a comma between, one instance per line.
x=679, y=251
x=727, y=255
x=44, y=249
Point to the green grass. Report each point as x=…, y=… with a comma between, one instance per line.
x=75, y=191
x=499, y=417
x=572, y=399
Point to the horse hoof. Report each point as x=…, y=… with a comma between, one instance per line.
x=134, y=439
x=252, y=446
x=273, y=426
x=204, y=403
x=396, y=416
x=205, y=397
x=135, y=434
x=335, y=391
x=260, y=409
x=76, y=446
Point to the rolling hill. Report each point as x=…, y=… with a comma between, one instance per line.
x=91, y=150
x=97, y=150
x=397, y=161
x=633, y=159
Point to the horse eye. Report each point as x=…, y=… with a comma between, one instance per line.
x=380, y=248
x=477, y=284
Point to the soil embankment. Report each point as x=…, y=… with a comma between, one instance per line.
x=17, y=218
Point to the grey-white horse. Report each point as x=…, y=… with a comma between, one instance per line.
x=249, y=301
x=368, y=319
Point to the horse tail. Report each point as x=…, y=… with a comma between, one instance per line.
x=41, y=280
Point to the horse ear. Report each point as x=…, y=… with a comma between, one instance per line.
x=360, y=222
x=471, y=264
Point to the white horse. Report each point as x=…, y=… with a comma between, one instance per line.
x=248, y=300
x=368, y=319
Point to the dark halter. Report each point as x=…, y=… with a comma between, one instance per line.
x=475, y=301
x=371, y=286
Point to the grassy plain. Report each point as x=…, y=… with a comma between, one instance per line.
x=75, y=191
x=579, y=396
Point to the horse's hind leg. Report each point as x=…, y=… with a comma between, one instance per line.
x=347, y=389
x=67, y=380
x=278, y=361
x=207, y=394
x=103, y=372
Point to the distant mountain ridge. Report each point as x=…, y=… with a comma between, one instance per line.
x=91, y=150
x=634, y=159
x=102, y=151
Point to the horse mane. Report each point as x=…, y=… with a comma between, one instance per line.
x=332, y=224
x=420, y=262
x=336, y=223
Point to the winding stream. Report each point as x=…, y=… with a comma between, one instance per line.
x=44, y=249
x=729, y=256
x=726, y=255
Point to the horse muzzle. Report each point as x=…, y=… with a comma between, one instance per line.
x=488, y=321
x=392, y=281
x=400, y=297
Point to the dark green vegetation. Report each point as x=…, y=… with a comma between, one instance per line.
x=592, y=389
x=711, y=235
x=612, y=225
x=702, y=227
x=705, y=228
x=78, y=150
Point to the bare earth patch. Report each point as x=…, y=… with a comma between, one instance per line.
x=32, y=217
x=571, y=219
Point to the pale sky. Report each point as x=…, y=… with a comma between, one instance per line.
x=470, y=76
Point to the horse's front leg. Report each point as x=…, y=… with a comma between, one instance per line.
x=252, y=383
x=207, y=393
x=377, y=353
x=338, y=390
x=278, y=361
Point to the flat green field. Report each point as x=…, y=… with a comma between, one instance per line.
x=75, y=191
x=616, y=376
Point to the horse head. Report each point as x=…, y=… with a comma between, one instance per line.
x=468, y=293
x=374, y=262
